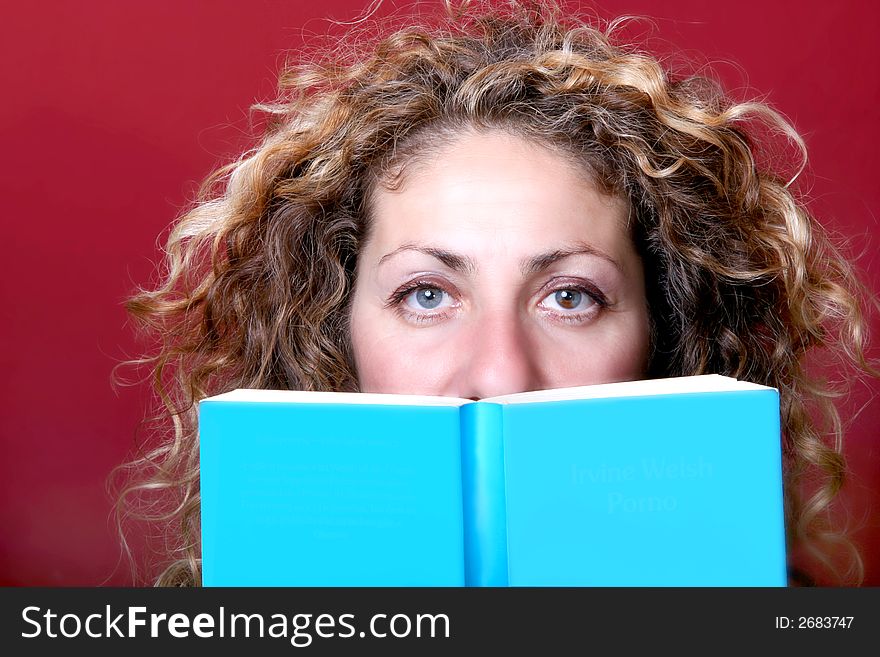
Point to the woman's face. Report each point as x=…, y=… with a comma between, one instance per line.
x=496, y=268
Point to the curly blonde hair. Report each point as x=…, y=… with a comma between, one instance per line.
x=741, y=280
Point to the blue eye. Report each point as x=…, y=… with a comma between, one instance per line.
x=424, y=302
x=426, y=298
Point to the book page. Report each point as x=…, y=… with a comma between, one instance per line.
x=647, y=387
x=312, y=397
x=675, y=385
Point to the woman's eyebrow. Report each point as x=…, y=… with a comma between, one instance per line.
x=540, y=262
x=454, y=261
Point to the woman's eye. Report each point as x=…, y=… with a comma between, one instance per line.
x=568, y=299
x=427, y=298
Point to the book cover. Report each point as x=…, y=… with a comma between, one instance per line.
x=672, y=482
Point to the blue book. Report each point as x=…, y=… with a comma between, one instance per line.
x=668, y=482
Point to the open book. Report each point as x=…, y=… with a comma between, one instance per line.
x=668, y=482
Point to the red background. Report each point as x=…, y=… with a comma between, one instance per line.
x=113, y=111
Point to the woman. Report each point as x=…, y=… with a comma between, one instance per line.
x=504, y=201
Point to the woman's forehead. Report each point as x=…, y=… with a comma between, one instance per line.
x=496, y=190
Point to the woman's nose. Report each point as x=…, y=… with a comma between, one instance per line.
x=499, y=359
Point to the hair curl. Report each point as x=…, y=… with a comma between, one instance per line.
x=741, y=280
